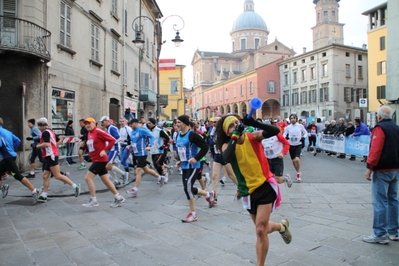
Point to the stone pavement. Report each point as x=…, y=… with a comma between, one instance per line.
x=329, y=212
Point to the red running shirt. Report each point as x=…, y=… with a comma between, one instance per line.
x=98, y=141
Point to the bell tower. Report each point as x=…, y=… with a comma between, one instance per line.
x=328, y=30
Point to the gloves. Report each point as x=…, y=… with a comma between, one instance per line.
x=249, y=121
x=29, y=138
x=238, y=131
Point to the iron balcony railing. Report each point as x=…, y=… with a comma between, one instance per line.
x=24, y=36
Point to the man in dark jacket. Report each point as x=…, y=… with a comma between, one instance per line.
x=341, y=129
x=348, y=132
x=383, y=162
x=69, y=131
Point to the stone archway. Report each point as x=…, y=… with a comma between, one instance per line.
x=222, y=110
x=271, y=108
x=228, y=109
x=244, y=109
x=235, y=108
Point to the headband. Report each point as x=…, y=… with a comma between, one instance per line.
x=227, y=122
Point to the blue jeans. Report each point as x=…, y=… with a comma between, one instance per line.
x=70, y=147
x=385, y=202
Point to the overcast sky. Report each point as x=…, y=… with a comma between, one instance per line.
x=208, y=24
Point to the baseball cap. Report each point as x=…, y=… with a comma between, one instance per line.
x=42, y=122
x=89, y=120
x=104, y=118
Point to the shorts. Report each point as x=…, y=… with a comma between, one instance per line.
x=98, y=168
x=218, y=158
x=276, y=166
x=48, y=162
x=141, y=161
x=295, y=151
x=112, y=155
x=263, y=195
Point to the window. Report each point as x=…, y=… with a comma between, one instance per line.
x=359, y=57
x=147, y=46
x=360, y=93
x=145, y=80
x=333, y=15
x=220, y=95
x=125, y=22
x=295, y=77
x=243, y=43
x=286, y=98
x=234, y=92
x=286, y=79
x=312, y=73
x=251, y=87
x=294, y=63
x=325, y=13
x=381, y=68
x=233, y=46
x=285, y=66
x=65, y=25
x=136, y=77
x=303, y=61
x=325, y=70
x=303, y=97
x=95, y=32
x=348, y=94
x=360, y=72
x=382, y=43
x=271, y=86
x=347, y=70
x=303, y=75
x=324, y=92
x=257, y=43
x=347, y=54
x=174, y=87
x=381, y=92
x=324, y=54
x=241, y=91
x=114, y=55
x=312, y=94
x=295, y=96
x=312, y=58
x=313, y=113
x=124, y=72
x=114, y=7
x=227, y=94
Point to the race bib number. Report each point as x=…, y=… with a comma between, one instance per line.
x=246, y=202
x=294, y=138
x=90, y=145
x=182, y=154
x=269, y=152
x=313, y=132
x=134, y=147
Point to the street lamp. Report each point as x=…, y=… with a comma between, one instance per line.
x=139, y=42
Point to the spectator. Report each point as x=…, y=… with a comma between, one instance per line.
x=312, y=136
x=69, y=131
x=348, y=132
x=383, y=161
x=341, y=129
x=35, y=137
x=361, y=129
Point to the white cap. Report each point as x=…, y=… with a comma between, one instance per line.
x=42, y=121
x=104, y=118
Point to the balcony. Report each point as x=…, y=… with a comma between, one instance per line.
x=147, y=95
x=21, y=36
x=163, y=100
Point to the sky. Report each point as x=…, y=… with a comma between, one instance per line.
x=207, y=25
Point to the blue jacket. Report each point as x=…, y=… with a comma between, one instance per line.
x=139, y=137
x=361, y=130
x=8, y=143
x=35, y=133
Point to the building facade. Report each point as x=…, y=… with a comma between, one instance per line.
x=225, y=82
x=330, y=81
x=67, y=60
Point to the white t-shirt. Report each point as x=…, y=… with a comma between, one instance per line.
x=295, y=132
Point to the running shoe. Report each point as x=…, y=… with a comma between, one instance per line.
x=211, y=199
x=298, y=177
x=288, y=180
x=77, y=190
x=118, y=202
x=394, y=237
x=189, y=218
x=132, y=192
x=90, y=203
x=42, y=198
x=81, y=167
x=161, y=180
x=30, y=176
x=166, y=177
x=286, y=235
x=4, y=190
x=35, y=195
x=223, y=180
x=383, y=240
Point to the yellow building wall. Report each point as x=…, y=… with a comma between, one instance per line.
x=175, y=99
x=376, y=55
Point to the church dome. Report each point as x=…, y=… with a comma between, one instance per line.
x=249, y=19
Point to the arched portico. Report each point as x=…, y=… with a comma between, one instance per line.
x=271, y=108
